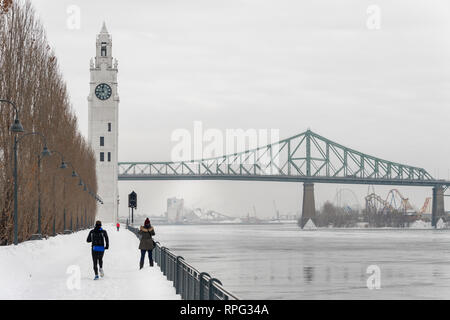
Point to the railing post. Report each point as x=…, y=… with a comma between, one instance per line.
x=157, y=254
x=211, y=287
x=171, y=267
x=177, y=275
x=163, y=260
x=185, y=285
x=191, y=286
x=201, y=291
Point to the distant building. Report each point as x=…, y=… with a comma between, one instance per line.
x=175, y=208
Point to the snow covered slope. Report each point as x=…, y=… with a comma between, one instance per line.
x=61, y=268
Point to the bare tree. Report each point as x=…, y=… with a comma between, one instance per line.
x=30, y=76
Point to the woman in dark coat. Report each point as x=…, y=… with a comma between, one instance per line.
x=146, y=245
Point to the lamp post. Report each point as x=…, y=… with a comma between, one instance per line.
x=63, y=165
x=87, y=190
x=74, y=175
x=40, y=158
x=93, y=195
x=45, y=151
x=82, y=184
x=15, y=128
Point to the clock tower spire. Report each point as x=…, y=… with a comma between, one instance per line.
x=103, y=106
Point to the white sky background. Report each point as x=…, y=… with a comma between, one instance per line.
x=265, y=64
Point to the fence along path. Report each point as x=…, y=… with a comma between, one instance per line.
x=190, y=283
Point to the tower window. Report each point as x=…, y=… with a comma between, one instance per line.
x=103, y=50
x=109, y=126
x=109, y=156
x=102, y=156
x=102, y=141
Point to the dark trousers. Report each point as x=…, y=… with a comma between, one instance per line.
x=150, y=256
x=97, y=257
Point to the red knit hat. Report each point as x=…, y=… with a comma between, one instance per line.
x=147, y=222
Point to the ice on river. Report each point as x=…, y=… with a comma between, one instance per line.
x=276, y=261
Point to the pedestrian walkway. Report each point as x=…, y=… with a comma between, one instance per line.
x=61, y=268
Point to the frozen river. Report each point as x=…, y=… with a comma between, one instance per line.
x=283, y=262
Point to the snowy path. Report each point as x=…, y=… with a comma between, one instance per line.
x=48, y=269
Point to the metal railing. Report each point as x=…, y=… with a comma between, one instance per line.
x=190, y=283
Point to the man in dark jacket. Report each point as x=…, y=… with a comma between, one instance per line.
x=98, y=237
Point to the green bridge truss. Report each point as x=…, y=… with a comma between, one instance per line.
x=306, y=157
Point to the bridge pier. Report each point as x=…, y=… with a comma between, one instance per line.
x=309, y=206
x=438, y=210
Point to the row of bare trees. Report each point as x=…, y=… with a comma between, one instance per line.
x=30, y=77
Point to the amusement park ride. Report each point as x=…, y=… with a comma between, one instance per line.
x=395, y=201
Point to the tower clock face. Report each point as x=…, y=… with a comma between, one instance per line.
x=103, y=91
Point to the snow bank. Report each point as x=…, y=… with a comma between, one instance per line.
x=419, y=224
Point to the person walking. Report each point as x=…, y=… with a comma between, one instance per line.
x=118, y=226
x=146, y=244
x=98, y=237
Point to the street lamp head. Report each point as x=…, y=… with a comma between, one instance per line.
x=17, y=126
x=74, y=174
x=63, y=165
x=85, y=189
x=80, y=183
x=46, y=152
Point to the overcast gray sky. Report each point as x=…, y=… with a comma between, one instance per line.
x=262, y=64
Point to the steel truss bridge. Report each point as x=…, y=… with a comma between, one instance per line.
x=306, y=157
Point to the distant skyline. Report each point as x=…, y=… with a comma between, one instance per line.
x=284, y=65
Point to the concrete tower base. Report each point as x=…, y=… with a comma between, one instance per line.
x=309, y=207
x=438, y=210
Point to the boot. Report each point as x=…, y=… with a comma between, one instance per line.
x=141, y=265
x=151, y=262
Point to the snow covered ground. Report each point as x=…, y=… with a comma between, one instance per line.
x=61, y=268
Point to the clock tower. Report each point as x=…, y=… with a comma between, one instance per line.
x=103, y=106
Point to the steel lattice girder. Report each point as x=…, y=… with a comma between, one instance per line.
x=306, y=157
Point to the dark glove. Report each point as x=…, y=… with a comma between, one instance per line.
x=107, y=247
